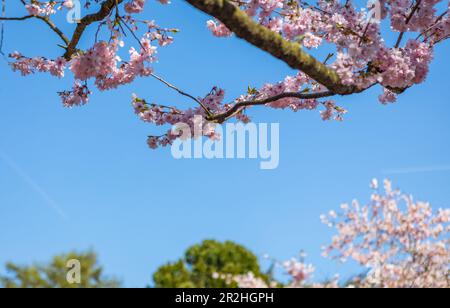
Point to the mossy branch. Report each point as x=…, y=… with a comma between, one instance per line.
x=291, y=53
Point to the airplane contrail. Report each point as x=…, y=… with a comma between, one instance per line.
x=33, y=185
x=411, y=170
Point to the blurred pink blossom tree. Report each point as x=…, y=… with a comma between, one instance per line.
x=402, y=243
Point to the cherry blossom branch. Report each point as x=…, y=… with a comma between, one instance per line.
x=222, y=117
x=105, y=9
x=281, y=28
x=438, y=20
x=291, y=53
x=408, y=19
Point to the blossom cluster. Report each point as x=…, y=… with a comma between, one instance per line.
x=245, y=281
x=400, y=242
x=354, y=35
x=137, y=6
x=300, y=276
x=299, y=84
x=193, y=119
x=28, y=66
x=363, y=58
x=100, y=63
x=403, y=243
x=213, y=104
x=36, y=8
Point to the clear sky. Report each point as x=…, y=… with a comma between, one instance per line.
x=84, y=178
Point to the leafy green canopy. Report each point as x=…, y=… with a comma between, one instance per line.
x=54, y=274
x=200, y=262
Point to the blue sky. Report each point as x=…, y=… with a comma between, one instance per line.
x=84, y=178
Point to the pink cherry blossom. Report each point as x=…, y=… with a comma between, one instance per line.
x=402, y=243
x=135, y=6
x=361, y=53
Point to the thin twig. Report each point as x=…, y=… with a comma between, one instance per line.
x=46, y=20
x=433, y=25
x=208, y=112
x=16, y=18
x=131, y=31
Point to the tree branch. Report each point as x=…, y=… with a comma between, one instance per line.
x=16, y=18
x=291, y=53
x=54, y=28
x=105, y=10
x=45, y=20
x=408, y=19
x=236, y=108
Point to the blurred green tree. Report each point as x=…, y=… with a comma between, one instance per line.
x=201, y=262
x=54, y=274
